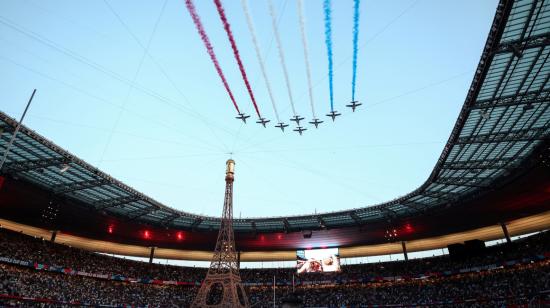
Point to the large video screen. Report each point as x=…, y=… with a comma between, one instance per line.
x=317, y=261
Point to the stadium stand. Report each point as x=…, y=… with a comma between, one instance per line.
x=35, y=271
x=493, y=171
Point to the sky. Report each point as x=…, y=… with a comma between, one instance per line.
x=138, y=97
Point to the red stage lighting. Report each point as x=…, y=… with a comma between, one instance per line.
x=146, y=234
x=110, y=229
x=179, y=235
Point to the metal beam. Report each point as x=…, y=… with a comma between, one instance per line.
x=388, y=212
x=355, y=217
x=518, y=135
x=415, y=205
x=169, y=219
x=14, y=136
x=534, y=97
x=516, y=46
x=71, y=187
x=443, y=195
x=322, y=222
x=404, y=246
x=151, y=255
x=27, y=165
x=461, y=181
x=141, y=212
x=505, y=232
x=105, y=204
x=477, y=164
x=286, y=225
x=196, y=223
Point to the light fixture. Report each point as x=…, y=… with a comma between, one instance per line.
x=64, y=168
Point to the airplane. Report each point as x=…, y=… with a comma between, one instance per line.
x=282, y=126
x=297, y=119
x=243, y=117
x=316, y=122
x=333, y=114
x=353, y=105
x=262, y=121
x=300, y=130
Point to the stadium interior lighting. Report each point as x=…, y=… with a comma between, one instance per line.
x=391, y=235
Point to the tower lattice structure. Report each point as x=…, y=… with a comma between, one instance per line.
x=222, y=286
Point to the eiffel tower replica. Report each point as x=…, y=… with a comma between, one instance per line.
x=222, y=286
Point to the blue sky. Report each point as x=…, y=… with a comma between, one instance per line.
x=169, y=136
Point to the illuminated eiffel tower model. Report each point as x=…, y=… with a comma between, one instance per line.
x=222, y=286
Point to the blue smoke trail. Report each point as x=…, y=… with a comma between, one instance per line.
x=355, y=39
x=328, y=41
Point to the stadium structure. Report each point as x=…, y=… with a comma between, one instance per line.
x=491, y=181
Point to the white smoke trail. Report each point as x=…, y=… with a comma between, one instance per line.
x=281, y=53
x=301, y=17
x=259, y=56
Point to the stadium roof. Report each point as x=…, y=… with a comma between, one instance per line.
x=505, y=118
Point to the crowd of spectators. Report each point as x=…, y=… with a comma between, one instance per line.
x=27, y=248
x=518, y=284
x=500, y=288
x=23, y=282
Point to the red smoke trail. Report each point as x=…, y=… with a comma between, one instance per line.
x=227, y=28
x=209, y=48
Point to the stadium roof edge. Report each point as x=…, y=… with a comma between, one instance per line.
x=516, y=227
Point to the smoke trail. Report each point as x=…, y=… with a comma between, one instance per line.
x=281, y=53
x=355, y=39
x=259, y=56
x=301, y=17
x=227, y=28
x=196, y=19
x=328, y=42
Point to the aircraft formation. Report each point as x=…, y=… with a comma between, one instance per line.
x=300, y=129
x=296, y=118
